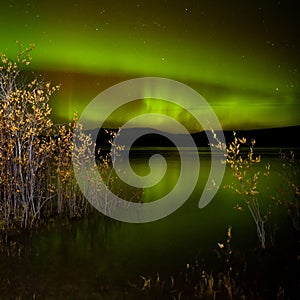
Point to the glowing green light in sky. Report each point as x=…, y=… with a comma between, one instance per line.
x=246, y=67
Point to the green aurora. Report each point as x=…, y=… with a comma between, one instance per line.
x=243, y=58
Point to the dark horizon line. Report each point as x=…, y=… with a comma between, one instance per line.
x=267, y=137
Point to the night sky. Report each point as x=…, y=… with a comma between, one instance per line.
x=242, y=56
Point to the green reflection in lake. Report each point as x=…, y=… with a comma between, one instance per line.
x=95, y=258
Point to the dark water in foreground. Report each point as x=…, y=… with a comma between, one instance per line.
x=96, y=259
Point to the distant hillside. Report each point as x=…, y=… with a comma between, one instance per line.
x=274, y=137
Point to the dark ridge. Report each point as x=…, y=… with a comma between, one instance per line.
x=287, y=137
x=284, y=137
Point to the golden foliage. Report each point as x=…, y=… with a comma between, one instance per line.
x=35, y=155
x=243, y=166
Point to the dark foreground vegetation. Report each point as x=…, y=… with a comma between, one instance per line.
x=37, y=185
x=235, y=274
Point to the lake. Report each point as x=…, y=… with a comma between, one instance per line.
x=96, y=258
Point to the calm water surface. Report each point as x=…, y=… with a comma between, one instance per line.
x=93, y=259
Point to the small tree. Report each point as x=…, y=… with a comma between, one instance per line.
x=243, y=169
x=69, y=196
x=26, y=144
